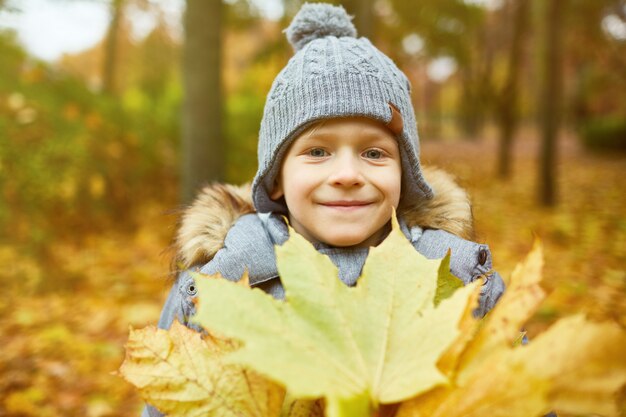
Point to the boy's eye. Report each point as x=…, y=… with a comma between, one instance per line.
x=317, y=152
x=373, y=154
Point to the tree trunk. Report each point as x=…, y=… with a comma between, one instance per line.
x=550, y=99
x=508, y=100
x=202, y=145
x=110, y=48
x=470, y=104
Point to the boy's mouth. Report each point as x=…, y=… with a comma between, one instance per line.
x=346, y=204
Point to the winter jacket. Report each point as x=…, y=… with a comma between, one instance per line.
x=221, y=232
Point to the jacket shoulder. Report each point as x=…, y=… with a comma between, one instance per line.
x=450, y=208
x=205, y=223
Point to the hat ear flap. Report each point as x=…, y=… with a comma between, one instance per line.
x=396, y=124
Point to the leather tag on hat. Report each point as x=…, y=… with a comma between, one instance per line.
x=396, y=124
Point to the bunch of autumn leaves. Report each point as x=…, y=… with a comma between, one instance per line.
x=403, y=342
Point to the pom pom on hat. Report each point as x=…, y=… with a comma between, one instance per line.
x=318, y=20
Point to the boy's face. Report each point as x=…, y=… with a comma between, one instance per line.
x=340, y=179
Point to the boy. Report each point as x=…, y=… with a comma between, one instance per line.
x=338, y=151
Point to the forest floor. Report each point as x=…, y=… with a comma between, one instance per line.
x=64, y=324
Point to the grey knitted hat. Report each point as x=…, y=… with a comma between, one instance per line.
x=331, y=75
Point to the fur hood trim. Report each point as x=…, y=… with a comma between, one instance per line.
x=205, y=223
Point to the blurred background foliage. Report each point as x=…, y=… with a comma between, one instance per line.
x=85, y=151
x=91, y=147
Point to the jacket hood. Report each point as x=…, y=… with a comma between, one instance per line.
x=205, y=223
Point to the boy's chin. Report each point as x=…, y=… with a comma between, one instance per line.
x=343, y=243
x=350, y=240
x=341, y=235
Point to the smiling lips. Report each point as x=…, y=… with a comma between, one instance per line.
x=345, y=205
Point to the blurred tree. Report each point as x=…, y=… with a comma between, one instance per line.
x=550, y=97
x=202, y=142
x=115, y=38
x=111, y=45
x=596, y=59
x=456, y=29
x=240, y=14
x=363, y=12
x=157, y=58
x=507, y=113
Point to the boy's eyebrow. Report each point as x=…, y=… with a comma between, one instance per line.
x=313, y=136
x=316, y=134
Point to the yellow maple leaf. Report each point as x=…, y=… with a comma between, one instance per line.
x=182, y=373
x=294, y=407
x=358, y=347
x=576, y=366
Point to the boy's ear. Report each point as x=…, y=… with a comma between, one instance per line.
x=277, y=190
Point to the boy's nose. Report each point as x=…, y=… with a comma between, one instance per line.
x=346, y=172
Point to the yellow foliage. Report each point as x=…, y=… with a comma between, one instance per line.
x=97, y=186
x=373, y=344
x=183, y=374
x=576, y=366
